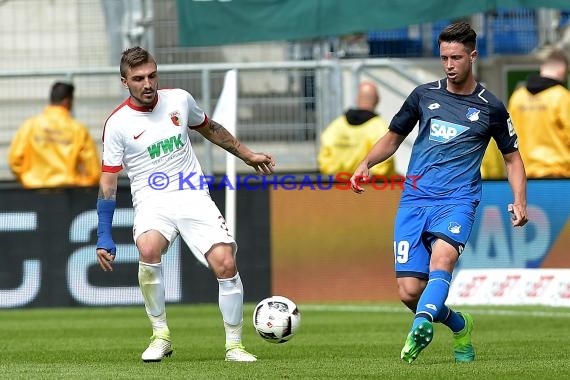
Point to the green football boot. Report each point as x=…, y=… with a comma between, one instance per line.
x=417, y=340
x=462, y=347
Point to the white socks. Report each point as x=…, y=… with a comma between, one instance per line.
x=152, y=287
x=230, y=300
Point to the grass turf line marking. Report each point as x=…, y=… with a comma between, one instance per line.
x=563, y=313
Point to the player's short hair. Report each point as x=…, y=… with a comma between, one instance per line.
x=60, y=91
x=557, y=56
x=134, y=57
x=460, y=32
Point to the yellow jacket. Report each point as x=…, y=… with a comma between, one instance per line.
x=344, y=144
x=54, y=150
x=541, y=116
x=493, y=164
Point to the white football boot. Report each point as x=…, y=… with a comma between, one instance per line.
x=236, y=353
x=159, y=347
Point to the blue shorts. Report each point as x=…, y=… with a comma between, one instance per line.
x=417, y=228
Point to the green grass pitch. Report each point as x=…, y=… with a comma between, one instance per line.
x=352, y=341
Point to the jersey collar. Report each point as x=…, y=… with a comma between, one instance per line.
x=145, y=108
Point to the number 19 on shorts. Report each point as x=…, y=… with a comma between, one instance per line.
x=401, y=251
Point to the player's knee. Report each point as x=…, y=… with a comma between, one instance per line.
x=442, y=262
x=444, y=256
x=226, y=268
x=151, y=245
x=222, y=261
x=149, y=257
x=149, y=254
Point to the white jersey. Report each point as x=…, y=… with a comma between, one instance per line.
x=152, y=144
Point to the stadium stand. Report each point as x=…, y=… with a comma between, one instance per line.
x=280, y=105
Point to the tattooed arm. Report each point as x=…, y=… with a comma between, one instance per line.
x=108, y=185
x=262, y=162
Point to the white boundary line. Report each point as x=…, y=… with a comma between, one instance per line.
x=559, y=313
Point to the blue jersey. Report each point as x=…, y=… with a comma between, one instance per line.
x=454, y=131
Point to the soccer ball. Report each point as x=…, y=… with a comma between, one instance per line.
x=276, y=319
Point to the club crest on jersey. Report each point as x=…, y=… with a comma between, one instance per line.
x=175, y=117
x=454, y=227
x=444, y=131
x=472, y=114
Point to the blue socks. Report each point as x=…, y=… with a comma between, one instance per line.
x=451, y=319
x=431, y=302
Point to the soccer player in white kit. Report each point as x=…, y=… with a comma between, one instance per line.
x=147, y=135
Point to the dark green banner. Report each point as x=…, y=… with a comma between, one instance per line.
x=217, y=22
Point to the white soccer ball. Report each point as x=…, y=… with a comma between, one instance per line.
x=276, y=319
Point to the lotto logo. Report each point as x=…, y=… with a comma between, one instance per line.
x=443, y=131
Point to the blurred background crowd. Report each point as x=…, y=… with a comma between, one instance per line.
x=298, y=69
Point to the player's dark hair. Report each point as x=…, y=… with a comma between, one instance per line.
x=134, y=57
x=460, y=32
x=60, y=91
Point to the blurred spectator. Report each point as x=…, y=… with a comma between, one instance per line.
x=53, y=149
x=540, y=112
x=346, y=141
x=493, y=164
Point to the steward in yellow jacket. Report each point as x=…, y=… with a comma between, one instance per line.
x=52, y=149
x=493, y=164
x=540, y=112
x=347, y=140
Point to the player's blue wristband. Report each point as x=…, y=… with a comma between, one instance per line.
x=105, y=211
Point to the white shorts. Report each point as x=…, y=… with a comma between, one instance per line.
x=192, y=214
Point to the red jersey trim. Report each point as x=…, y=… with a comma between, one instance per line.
x=112, y=113
x=111, y=169
x=202, y=124
x=143, y=108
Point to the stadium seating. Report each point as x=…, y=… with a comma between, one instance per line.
x=514, y=31
x=505, y=31
x=394, y=43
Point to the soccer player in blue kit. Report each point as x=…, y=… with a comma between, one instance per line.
x=457, y=117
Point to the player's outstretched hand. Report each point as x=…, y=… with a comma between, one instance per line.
x=262, y=163
x=361, y=175
x=105, y=259
x=518, y=215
